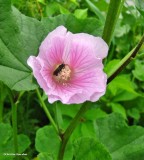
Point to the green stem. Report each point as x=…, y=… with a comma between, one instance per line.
x=47, y=111
x=114, y=10
x=14, y=124
x=19, y=97
x=1, y=110
x=125, y=61
x=56, y=116
x=65, y=137
x=14, y=121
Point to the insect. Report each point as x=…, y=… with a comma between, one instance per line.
x=58, y=69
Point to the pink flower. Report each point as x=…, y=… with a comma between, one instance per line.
x=69, y=66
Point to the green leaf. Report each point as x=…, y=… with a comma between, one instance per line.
x=96, y=10
x=110, y=65
x=95, y=113
x=42, y=2
x=140, y=6
x=122, y=141
x=63, y=10
x=134, y=113
x=122, y=85
x=84, y=129
x=136, y=103
x=48, y=141
x=90, y=149
x=81, y=13
x=118, y=108
x=45, y=156
x=23, y=142
x=52, y=8
x=20, y=36
x=122, y=30
x=69, y=110
x=124, y=95
x=88, y=25
x=138, y=71
x=7, y=143
x=5, y=134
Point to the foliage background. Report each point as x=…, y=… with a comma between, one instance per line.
x=114, y=124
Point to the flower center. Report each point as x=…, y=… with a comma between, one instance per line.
x=62, y=73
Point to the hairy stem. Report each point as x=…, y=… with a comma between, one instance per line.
x=71, y=128
x=47, y=111
x=125, y=61
x=114, y=10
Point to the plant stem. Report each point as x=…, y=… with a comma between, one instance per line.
x=1, y=110
x=14, y=124
x=14, y=121
x=114, y=10
x=71, y=128
x=125, y=61
x=46, y=111
x=56, y=117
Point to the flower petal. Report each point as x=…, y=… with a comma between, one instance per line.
x=58, y=32
x=93, y=85
x=81, y=57
x=63, y=93
x=52, y=48
x=98, y=46
x=34, y=63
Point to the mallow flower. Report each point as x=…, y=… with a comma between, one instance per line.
x=69, y=66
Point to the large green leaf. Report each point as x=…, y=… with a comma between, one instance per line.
x=123, y=142
x=20, y=37
x=7, y=143
x=90, y=149
x=47, y=141
x=88, y=25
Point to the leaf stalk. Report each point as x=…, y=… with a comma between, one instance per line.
x=114, y=10
x=47, y=111
x=125, y=61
